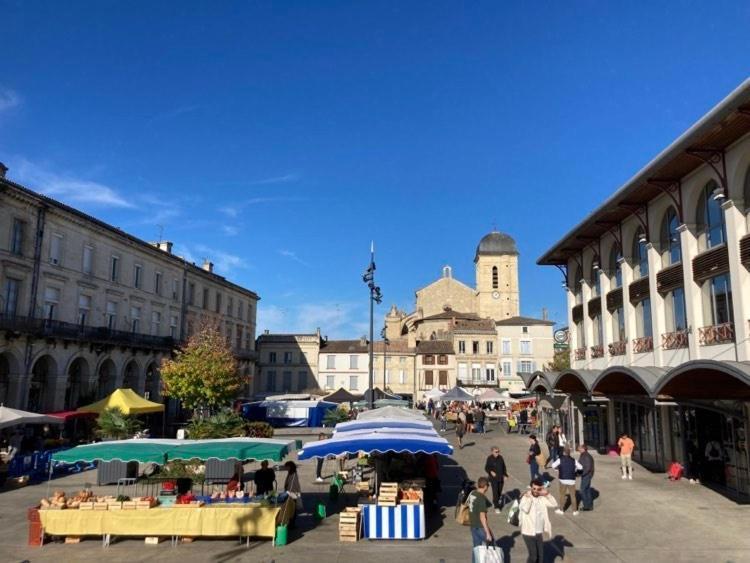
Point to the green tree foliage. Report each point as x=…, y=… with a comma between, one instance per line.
x=113, y=424
x=224, y=424
x=560, y=362
x=204, y=373
x=334, y=416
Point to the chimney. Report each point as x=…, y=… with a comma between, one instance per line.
x=266, y=331
x=3, y=170
x=208, y=266
x=163, y=245
x=545, y=314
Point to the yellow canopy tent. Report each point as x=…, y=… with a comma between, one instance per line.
x=127, y=400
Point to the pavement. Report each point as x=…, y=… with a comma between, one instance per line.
x=648, y=519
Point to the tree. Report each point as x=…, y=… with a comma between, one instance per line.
x=204, y=373
x=113, y=424
x=560, y=362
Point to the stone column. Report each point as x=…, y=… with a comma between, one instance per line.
x=628, y=310
x=588, y=325
x=55, y=399
x=658, y=308
x=736, y=226
x=605, y=285
x=693, y=299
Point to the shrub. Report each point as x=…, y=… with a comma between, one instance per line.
x=259, y=430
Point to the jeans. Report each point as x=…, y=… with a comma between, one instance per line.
x=534, y=468
x=587, y=496
x=443, y=424
x=535, y=547
x=554, y=453
x=478, y=537
x=479, y=428
x=497, y=493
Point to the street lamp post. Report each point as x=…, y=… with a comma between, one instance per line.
x=386, y=342
x=375, y=297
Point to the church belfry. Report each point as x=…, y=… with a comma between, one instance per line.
x=496, y=265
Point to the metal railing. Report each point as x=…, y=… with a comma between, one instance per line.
x=716, y=334
x=597, y=351
x=643, y=344
x=617, y=348
x=47, y=328
x=479, y=381
x=674, y=340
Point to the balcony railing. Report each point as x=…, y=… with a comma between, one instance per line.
x=674, y=340
x=716, y=334
x=46, y=328
x=643, y=344
x=579, y=353
x=597, y=351
x=468, y=381
x=618, y=348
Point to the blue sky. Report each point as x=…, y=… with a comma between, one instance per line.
x=279, y=138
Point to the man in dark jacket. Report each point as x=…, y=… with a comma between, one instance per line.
x=496, y=473
x=587, y=474
x=567, y=468
x=553, y=444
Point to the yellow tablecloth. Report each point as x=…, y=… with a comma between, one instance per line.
x=211, y=520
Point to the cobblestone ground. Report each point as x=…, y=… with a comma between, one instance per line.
x=647, y=519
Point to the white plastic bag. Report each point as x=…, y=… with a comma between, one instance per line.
x=487, y=554
x=514, y=513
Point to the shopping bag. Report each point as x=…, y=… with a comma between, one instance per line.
x=462, y=515
x=514, y=514
x=487, y=554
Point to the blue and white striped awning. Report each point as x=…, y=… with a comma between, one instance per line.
x=374, y=423
x=376, y=442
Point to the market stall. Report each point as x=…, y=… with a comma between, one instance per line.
x=127, y=400
x=391, y=412
x=397, y=448
x=229, y=513
x=281, y=414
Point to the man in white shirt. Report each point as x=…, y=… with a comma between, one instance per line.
x=567, y=467
x=534, y=519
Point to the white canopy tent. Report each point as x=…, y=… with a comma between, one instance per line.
x=14, y=417
x=391, y=413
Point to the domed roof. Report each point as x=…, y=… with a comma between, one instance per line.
x=496, y=244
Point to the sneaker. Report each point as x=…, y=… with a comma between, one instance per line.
x=630, y=477
x=497, y=511
x=575, y=513
x=319, y=479
x=624, y=476
x=558, y=511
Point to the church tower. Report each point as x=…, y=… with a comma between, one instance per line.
x=496, y=265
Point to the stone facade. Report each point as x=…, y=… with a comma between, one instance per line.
x=86, y=308
x=497, y=286
x=287, y=363
x=394, y=367
x=344, y=363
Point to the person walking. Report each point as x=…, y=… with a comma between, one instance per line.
x=293, y=489
x=586, y=460
x=460, y=429
x=566, y=470
x=496, y=473
x=319, y=462
x=626, y=445
x=553, y=443
x=479, y=417
x=478, y=523
x=469, y=419
x=534, y=519
x=532, y=456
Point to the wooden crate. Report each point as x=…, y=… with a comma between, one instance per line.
x=86, y=506
x=388, y=494
x=145, y=504
x=349, y=525
x=129, y=505
x=73, y=539
x=100, y=506
x=152, y=540
x=114, y=506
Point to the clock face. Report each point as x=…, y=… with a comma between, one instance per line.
x=561, y=336
x=496, y=294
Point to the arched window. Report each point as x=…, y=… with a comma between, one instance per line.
x=577, y=289
x=615, y=265
x=640, y=254
x=596, y=286
x=670, y=237
x=710, y=217
x=494, y=277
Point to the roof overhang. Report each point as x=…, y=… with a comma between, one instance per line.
x=627, y=380
x=707, y=380
x=718, y=129
x=575, y=381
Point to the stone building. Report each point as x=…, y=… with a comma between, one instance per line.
x=287, y=363
x=86, y=308
x=394, y=367
x=484, y=342
x=656, y=279
x=344, y=363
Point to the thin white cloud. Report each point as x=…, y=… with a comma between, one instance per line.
x=285, y=179
x=293, y=256
x=230, y=230
x=224, y=262
x=235, y=209
x=9, y=99
x=67, y=187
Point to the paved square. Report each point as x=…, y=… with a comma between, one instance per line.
x=647, y=519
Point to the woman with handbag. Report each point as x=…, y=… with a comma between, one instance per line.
x=293, y=489
x=533, y=456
